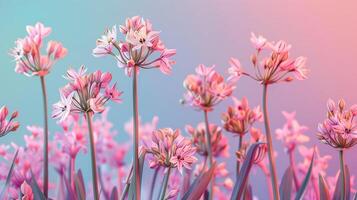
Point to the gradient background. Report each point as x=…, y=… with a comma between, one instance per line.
x=202, y=31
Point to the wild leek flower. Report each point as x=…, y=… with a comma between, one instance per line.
x=7, y=125
x=30, y=62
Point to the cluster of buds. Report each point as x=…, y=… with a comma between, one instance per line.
x=170, y=149
x=256, y=136
x=239, y=118
x=7, y=126
x=276, y=66
x=27, y=52
x=85, y=93
x=207, y=88
x=339, y=130
x=219, y=143
x=140, y=43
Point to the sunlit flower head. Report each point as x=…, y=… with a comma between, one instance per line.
x=206, y=88
x=27, y=52
x=85, y=93
x=137, y=45
x=292, y=133
x=239, y=118
x=219, y=143
x=7, y=125
x=170, y=149
x=273, y=64
x=339, y=130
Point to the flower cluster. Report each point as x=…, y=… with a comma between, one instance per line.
x=170, y=149
x=292, y=133
x=256, y=136
x=206, y=88
x=83, y=93
x=339, y=130
x=27, y=52
x=239, y=118
x=275, y=66
x=219, y=143
x=140, y=43
x=7, y=126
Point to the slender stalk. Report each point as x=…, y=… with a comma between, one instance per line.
x=127, y=184
x=209, y=152
x=45, y=138
x=272, y=167
x=71, y=171
x=292, y=165
x=153, y=181
x=119, y=181
x=343, y=176
x=93, y=157
x=239, y=148
x=136, y=136
x=166, y=181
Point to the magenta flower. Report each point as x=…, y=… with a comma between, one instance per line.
x=171, y=150
x=26, y=191
x=239, y=118
x=7, y=126
x=140, y=47
x=206, y=88
x=83, y=93
x=27, y=52
x=292, y=133
x=339, y=130
x=219, y=142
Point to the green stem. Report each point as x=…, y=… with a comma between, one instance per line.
x=93, y=157
x=166, y=181
x=239, y=148
x=343, y=176
x=136, y=173
x=45, y=138
x=272, y=167
x=209, y=152
x=153, y=181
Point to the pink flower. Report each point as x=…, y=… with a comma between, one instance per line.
x=292, y=133
x=219, y=143
x=339, y=130
x=27, y=52
x=239, y=118
x=26, y=191
x=84, y=93
x=206, y=89
x=141, y=47
x=145, y=130
x=320, y=162
x=170, y=149
x=7, y=126
x=259, y=42
x=235, y=71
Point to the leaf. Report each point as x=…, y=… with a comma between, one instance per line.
x=244, y=173
x=286, y=184
x=199, y=185
x=324, y=190
x=80, y=186
x=37, y=193
x=355, y=197
x=141, y=166
x=337, y=193
x=114, y=194
x=9, y=174
x=301, y=191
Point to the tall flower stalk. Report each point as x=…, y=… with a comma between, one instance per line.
x=140, y=44
x=30, y=62
x=276, y=66
x=86, y=94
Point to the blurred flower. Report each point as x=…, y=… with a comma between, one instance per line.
x=27, y=52
x=239, y=118
x=145, y=130
x=206, y=88
x=219, y=143
x=7, y=126
x=277, y=65
x=170, y=149
x=235, y=70
x=83, y=93
x=26, y=191
x=339, y=130
x=140, y=43
x=292, y=133
x=320, y=162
